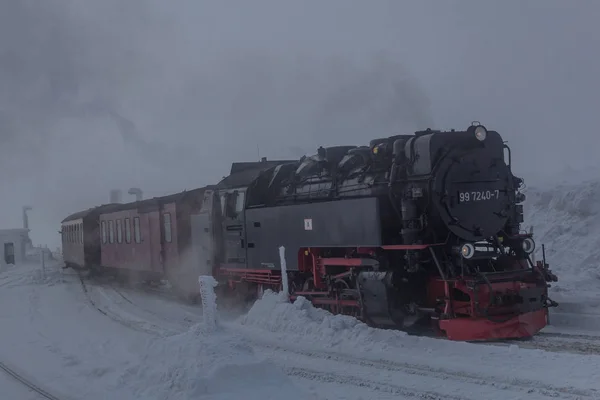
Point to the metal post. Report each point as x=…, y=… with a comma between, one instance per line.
x=43, y=256
x=26, y=217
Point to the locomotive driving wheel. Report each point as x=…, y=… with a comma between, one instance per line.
x=343, y=291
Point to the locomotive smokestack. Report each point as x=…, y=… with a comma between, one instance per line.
x=116, y=196
x=137, y=192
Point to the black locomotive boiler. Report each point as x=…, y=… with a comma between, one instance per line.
x=411, y=228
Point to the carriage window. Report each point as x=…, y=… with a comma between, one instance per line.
x=81, y=233
x=167, y=220
x=77, y=233
x=119, y=231
x=71, y=234
x=136, y=230
x=103, y=224
x=111, y=231
x=127, y=230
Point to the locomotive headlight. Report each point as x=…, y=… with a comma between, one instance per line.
x=467, y=250
x=528, y=245
x=480, y=133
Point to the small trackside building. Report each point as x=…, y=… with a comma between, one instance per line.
x=13, y=244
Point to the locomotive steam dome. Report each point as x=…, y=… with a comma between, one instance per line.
x=473, y=187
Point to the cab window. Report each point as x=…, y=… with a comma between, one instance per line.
x=239, y=202
x=223, y=203
x=234, y=203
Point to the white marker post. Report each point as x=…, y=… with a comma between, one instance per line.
x=209, y=301
x=285, y=292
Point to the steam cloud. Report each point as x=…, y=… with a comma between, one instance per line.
x=102, y=95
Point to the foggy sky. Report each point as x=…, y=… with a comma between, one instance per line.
x=161, y=95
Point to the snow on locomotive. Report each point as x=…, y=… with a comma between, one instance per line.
x=410, y=229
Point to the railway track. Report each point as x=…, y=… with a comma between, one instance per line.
x=300, y=363
x=561, y=335
x=186, y=322
x=27, y=383
x=554, y=342
x=557, y=342
x=515, y=385
x=140, y=326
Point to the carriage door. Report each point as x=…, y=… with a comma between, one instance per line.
x=232, y=203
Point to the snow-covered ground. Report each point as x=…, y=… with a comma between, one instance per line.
x=13, y=389
x=100, y=340
x=67, y=338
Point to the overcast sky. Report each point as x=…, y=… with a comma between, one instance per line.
x=165, y=95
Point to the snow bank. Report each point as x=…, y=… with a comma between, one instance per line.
x=566, y=218
x=298, y=326
x=277, y=315
x=204, y=366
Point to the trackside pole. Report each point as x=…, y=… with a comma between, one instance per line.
x=43, y=262
x=209, y=301
x=285, y=293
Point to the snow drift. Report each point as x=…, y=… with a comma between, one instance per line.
x=196, y=365
x=298, y=325
x=275, y=314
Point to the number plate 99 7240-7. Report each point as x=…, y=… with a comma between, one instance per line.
x=478, y=195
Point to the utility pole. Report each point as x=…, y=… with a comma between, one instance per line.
x=26, y=217
x=43, y=260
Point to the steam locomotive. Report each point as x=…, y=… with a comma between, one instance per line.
x=411, y=229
